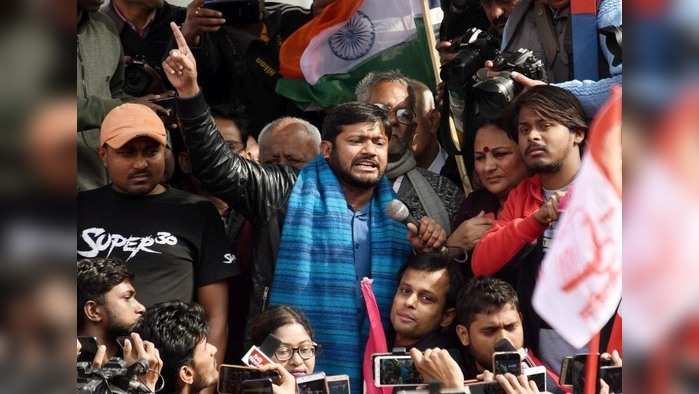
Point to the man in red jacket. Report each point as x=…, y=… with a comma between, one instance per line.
x=550, y=128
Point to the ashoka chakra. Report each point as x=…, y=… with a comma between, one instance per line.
x=354, y=39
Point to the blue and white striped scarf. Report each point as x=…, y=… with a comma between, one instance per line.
x=315, y=269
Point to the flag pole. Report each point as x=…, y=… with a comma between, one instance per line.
x=591, y=365
x=434, y=57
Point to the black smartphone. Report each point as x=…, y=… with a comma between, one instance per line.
x=565, y=378
x=232, y=376
x=507, y=362
x=256, y=386
x=612, y=376
x=88, y=349
x=236, y=12
x=395, y=371
x=578, y=373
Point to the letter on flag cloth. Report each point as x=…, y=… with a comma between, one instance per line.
x=579, y=285
x=377, y=339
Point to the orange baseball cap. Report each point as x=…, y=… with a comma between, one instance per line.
x=128, y=121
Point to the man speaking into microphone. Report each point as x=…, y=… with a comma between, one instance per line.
x=318, y=230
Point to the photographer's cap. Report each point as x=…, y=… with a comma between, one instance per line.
x=128, y=121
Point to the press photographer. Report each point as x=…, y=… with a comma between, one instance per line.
x=144, y=32
x=475, y=93
x=563, y=39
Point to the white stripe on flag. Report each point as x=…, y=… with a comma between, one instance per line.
x=384, y=23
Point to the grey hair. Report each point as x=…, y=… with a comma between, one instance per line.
x=311, y=130
x=363, y=89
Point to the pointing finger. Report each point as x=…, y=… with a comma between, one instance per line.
x=179, y=38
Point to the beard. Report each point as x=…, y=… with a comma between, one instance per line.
x=545, y=168
x=399, y=144
x=116, y=327
x=345, y=174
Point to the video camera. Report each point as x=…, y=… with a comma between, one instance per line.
x=472, y=94
x=472, y=50
x=112, y=378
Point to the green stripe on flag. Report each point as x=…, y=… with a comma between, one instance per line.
x=411, y=58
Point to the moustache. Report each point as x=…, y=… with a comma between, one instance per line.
x=139, y=174
x=535, y=147
x=365, y=160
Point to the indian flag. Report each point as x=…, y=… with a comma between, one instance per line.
x=323, y=61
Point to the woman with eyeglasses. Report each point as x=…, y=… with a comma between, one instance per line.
x=297, y=352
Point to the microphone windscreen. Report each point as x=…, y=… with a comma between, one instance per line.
x=504, y=345
x=397, y=210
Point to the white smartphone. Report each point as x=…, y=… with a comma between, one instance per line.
x=312, y=384
x=395, y=371
x=338, y=384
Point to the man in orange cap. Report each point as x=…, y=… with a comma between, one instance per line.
x=173, y=241
x=132, y=148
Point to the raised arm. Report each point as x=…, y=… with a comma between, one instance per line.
x=250, y=188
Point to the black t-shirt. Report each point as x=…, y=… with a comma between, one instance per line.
x=173, y=242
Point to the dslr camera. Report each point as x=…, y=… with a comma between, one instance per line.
x=140, y=78
x=113, y=378
x=472, y=50
x=492, y=95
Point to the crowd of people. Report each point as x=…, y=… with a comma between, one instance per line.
x=213, y=212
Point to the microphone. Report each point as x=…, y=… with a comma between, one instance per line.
x=397, y=210
x=504, y=345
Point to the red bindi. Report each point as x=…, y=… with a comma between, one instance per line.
x=486, y=149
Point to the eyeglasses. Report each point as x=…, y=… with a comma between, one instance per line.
x=403, y=115
x=306, y=351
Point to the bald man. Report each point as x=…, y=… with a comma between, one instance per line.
x=289, y=141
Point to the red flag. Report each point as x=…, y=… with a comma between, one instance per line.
x=377, y=338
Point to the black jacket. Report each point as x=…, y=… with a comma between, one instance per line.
x=242, y=70
x=258, y=192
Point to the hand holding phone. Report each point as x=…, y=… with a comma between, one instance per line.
x=338, y=384
x=395, y=371
x=232, y=376
x=312, y=384
x=507, y=362
x=437, y=364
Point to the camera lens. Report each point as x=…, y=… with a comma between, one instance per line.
x=493, y=95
